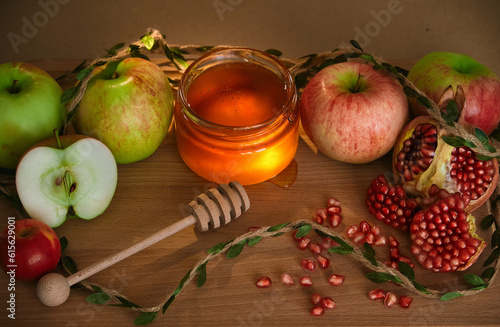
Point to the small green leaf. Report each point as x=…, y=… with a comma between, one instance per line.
x=145, y=318
x=69, y=264
x=301, y=79
x=254, y=240
x=309, y=60
x=495, y=239
x=170, y=56
x=236, y=249
x=482, y=157
x=96, y=288
x=148, y=41
x=488, y=272
x=424, y=102
x=355, y=44
x=339, y=250
x=406, y=270
x=137, y=54
x=368, y=57
x=383, y=277
x=64, y=243
x=274, y=52
x=303, y=231
x=451, y=295
x=487, y=222
x=111, y=52
x=369, y=254
x=493, y=256
x=124, y=303
x=482, y=287
x=83, y=73
x=410, y=92
x=326, y=63
x=204, y=48
x=450, y=114
x=217, y=248
x=98, y=298
x=483, y=138
x=457, y=141
x=473, y=280
x=168, y=303
x=421, y=288
x=69, y=94
x=277, y=227
x=202, y=275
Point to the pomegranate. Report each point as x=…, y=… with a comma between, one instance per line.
x=390, y=204
x=422, y=160
x=443, y=236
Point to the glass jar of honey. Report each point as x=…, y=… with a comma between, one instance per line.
x=236, y=116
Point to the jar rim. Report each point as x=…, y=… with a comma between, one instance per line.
x=233, y=52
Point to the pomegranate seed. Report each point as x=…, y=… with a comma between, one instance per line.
x=364, y=227
x=315, y=248
x=263, y=282
x=375, y=230
x=318, y=219
x=318, y=310
x=306, y=281
x=370, y=239
x=376, y=294
x=332, y=202
x=323, y=262
x=393, y=242
x=327, y=303
x=335, y=219
x=390, y=299
x=336, y=280
x=351, y=230
x=359, y=238
x=304, y=243
x=405, y=301
x=327, y=243
x=315, y=298
x=286, y=279
x=252, y=229
x=381, y=240
x=308, y=264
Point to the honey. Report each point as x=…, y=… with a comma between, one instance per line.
x=236, y=116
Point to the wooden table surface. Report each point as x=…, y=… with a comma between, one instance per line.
x=153, y=193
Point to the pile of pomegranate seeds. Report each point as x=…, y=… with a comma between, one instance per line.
x=394, y=256
x=320, y=304
x=390, y=298
x=390, y=204
x=364, y=232
x=332, y=213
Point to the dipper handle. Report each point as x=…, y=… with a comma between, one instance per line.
x=210, y=210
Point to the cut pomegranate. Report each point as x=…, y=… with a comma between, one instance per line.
x=316, y=298
x=318, y=310
x=390, y=204
x=443, y=236
x=323, y=262
x=286, y=279
x=336, y=280
x=306, y=281
x=422, y=160
x=405, y=301
x=308, y=264
x=377, y=294
x=390, y=299
x=263, y=282
x=327, y=303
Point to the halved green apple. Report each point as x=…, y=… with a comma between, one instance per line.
x=68, y=176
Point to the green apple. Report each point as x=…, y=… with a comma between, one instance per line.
x=128, y=107
x=30, y=109
x=69, y=176
x=436, y=71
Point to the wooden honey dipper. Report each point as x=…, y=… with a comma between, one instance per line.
x=210, y=210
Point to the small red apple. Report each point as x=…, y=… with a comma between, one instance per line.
x=352, y=112
x=29, y=248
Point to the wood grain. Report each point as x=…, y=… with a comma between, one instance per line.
x=154, y=193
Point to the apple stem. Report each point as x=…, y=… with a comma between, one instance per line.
x=357, y=86
x=58, y=140
x=14, y=87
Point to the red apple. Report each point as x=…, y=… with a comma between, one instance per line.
x=434, y=72
x=29, y=248
x=352, y=112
